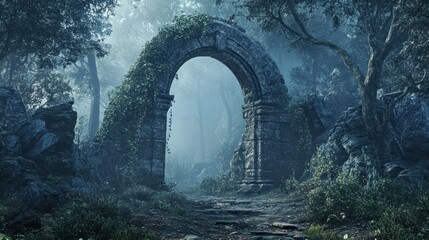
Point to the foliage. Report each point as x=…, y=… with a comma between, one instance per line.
x=317, y=232
x=407, y=221
x=99, y=218
x=37, y=86
x=339, y=201
x=165, y=201
x=301, y=142
x=290, y=185
x=408, y=68
x=322, y=166
x=138, y=192
x=169, y=202
x=221, y=185
x=55, y=31
x=387, y=25
x=131, y=102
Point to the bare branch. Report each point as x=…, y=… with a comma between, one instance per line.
x=388, y=43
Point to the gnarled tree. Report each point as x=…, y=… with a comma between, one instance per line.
x=386, y=24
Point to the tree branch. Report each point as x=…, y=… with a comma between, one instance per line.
x=307, y=37
x=388, y=42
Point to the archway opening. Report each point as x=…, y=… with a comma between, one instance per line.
x=204, y=124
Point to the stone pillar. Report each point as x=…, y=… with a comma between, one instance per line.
x=265, y=144
x=153, y=143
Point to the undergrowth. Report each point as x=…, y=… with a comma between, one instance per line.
x=388, y=209
x=318, y=232
x=220, y=185
x=111, y=215
x=98, y=218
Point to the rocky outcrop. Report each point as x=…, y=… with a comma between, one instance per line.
x=348, y=150
x=49, y=130
x=38, y=159
x=350, y=153
x=412, y=127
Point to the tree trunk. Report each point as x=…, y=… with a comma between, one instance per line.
x=369, y=98
x=94, y=115
x=201, y=123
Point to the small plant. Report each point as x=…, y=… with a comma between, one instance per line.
x=222, y=185
x=4, y=237
x=139, y=192
x=290, y=185
x=318, y=232
x=169, y=202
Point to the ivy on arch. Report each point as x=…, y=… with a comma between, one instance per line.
x=131, y=102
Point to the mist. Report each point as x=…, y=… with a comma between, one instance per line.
x=206, y=114
x=214, y=119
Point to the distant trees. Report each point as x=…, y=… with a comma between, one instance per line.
x=386, y=25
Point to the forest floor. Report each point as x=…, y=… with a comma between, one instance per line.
x=266, y=216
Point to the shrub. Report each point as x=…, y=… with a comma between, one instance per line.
x=317, y=232
x=407, y=221
x=98, y=218
x=339, y=200
x=169, y=202
x=139, y=192
x=222, y=184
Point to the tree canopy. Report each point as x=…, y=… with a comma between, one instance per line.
x=56, y=31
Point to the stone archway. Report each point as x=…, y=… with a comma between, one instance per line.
x=264, y=95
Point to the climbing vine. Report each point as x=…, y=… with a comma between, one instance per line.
x=169, y=124
x=131, y=102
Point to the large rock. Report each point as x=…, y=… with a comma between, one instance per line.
x=39, y=161
x=12, y=109
x=9, y=144
x=48, y=131
x=412, y=126
x=41, y=195
x=350, y=153
x=16, y=173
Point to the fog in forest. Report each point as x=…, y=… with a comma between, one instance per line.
x=214, y=119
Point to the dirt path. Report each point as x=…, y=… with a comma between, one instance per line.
x=258, y=217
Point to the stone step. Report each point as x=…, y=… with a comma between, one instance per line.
x=270, y=233
x=228, y=222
